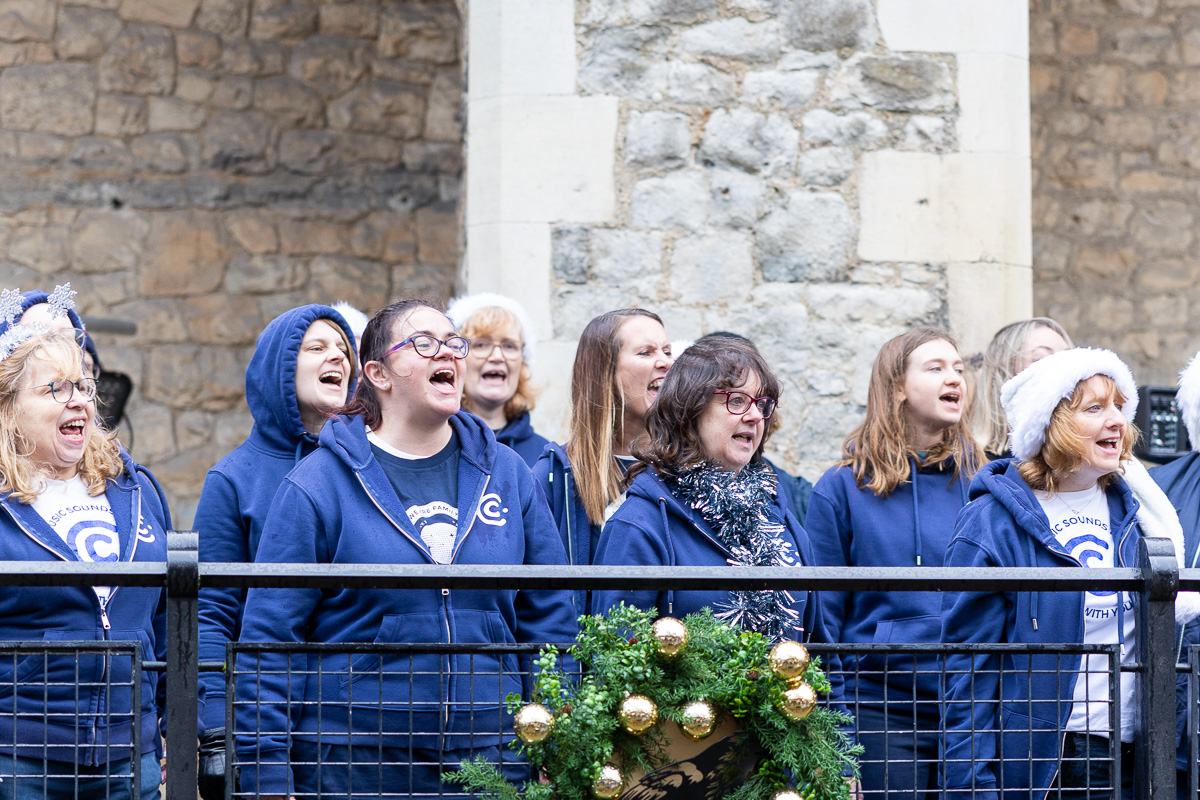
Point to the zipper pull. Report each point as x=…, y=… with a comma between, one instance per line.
x=104, y=616
x=445, y=592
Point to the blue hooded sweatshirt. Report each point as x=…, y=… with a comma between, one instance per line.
x=339, y=507
x=1004, y=526
x=520, y=436
x=553, y=473
x=852, y=526
x=238, y=490
x=1180, y=481
x=653, y=527
x=79, y=706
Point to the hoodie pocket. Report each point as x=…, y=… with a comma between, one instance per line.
x=389, y=679
x=899, y=670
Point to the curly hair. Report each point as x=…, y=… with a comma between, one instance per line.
x=20, y=475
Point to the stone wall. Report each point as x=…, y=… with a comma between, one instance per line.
x=198, y=166
x=1115, y=87
x=805, y=173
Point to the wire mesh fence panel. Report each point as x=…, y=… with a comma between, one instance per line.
x=371, y=720
x=73, y=719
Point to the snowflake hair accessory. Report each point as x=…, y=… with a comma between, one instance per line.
x=61, y=300
x=11, y=306
x=17, y=335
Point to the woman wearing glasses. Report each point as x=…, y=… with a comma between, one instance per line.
x=892, y=501
x=703, y=496
x=404, y=477
x=496, y=386
x=69, y=493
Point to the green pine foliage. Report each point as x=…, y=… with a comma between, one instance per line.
x=721, y=664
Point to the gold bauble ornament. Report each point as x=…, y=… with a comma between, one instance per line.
x=637, y=714
x=787, y=794
x=533, y=723
x=697, y=720
x=798, y=702
x=789, y=660
x=608, y=783
x=670, y=635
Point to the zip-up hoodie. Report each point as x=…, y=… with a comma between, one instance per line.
x=1004, y=526
x=80, y=707
x=339, y=507
x=520, y=436
x=238, y=490
x=912, y=526
x=653, y=527
x=1180, y=480
x=552, y=472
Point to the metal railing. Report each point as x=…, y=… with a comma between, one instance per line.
x=1156, y=581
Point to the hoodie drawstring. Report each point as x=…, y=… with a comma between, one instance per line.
x=299, y=454
x=1033, y=596
x=912, y=463
x=662, y=509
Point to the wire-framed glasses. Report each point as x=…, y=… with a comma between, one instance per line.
x=739, y=403
x=482, y=348
x=63, y=389
x=428, y=345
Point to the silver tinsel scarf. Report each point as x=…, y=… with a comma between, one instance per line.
x=736, y=506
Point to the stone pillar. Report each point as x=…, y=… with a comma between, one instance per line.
x=818, y=175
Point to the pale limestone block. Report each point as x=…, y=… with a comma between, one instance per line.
x=713, y=268
x=993, y=95
x=737, y=38
x=955, y=26
x=521, y=47
x=513, y=259
x=955, y=207
x=541, y=159
x=551, y=417
x=983, y=298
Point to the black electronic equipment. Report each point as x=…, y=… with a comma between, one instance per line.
x=1164, y=436
x=112, y=393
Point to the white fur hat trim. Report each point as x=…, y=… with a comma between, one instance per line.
x=462, y=308
x=1030, y=396
x=356, y=319
x=1188, y=399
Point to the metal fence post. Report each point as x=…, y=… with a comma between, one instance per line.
x=1155, y=737
x=183, y=660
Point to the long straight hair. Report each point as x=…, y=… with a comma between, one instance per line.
x=598, y=411
x=878, y=450
x=988, y=423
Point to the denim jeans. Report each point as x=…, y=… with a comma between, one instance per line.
x=1085, y=772
x=34, y=779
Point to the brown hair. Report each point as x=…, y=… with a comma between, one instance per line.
x=878, y=450
x=376, y=340
x=986, y=415
x=598, y=411
x=711, y=363
x=486, y=322
x=1063, y=451
x=19, y=473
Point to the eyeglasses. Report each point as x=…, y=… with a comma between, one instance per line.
x=482, y=348
x=739, y=403
x=62, y=390
x=429, y=346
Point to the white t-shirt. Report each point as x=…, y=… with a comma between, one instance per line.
x=1080, y=522
x=83, y=522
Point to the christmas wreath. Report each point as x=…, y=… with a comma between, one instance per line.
x=586, y=736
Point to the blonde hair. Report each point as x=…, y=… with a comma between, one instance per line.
x=878, y=450
x=598, y=411
x=486, y=322
x=20, y=475
x=1063, y=452
x=986, y=415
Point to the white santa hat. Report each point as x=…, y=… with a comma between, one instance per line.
x=463, y=308
x=356, y=319
x=1030, y=396
x=1188, y=399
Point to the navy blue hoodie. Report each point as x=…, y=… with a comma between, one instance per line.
x=1004, y=526
x=1180, y=481
x=554, y=475
x=852, y=526
x=653, y=527
x=339, y=507
x=77, y=703
x=238, y=490
x=520, y=436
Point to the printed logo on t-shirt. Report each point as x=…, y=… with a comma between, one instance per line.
x=437, y=523
x=88, y=530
